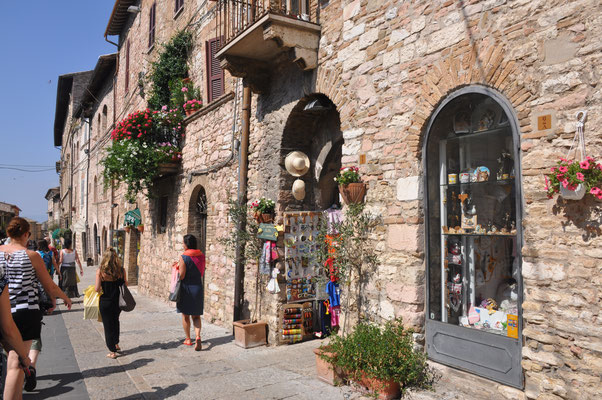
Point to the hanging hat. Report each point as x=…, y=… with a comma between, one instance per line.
x=298, y=189
x=296, y=163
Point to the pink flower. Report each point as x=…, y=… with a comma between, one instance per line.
x=595, y=190
x=563, y=169
x=599, y=166
x=164, y=108
x=584, y=164
x=565, y=183
x=553, y=169
x=580, y=176
x=184, y=89
x=547, y=183
x=560, y=177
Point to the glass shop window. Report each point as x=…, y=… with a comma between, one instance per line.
x=474, y=258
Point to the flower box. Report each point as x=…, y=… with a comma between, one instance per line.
x=167, y=169
x=326, y=371
x=385, y=390
x=249, y=334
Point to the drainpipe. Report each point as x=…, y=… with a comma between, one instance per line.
x=87, y=187
x=110, y=244
x=243, y=169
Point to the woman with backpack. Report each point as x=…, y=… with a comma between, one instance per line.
x=47, y=256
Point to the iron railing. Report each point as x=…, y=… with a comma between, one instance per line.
x=236, y=16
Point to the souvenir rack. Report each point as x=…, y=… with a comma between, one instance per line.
x=296, y=322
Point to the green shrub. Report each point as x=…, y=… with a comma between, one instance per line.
x=385, y=353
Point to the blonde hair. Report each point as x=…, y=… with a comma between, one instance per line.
x=110, y=265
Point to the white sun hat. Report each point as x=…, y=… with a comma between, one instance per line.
x=296, y=163
x=298, y=189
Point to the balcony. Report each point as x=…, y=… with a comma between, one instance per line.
x=255, y=34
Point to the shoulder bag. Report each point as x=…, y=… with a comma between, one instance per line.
x=126, y=300
x=174, y=287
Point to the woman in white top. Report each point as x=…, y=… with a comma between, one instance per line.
x=25, y=269
x=67, y=274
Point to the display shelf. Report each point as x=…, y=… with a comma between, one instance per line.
x=452, y=136
x=296, y=322
x=469, y=184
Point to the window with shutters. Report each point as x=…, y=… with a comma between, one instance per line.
x=162, y=227
x=127, y=65
x=179, y=6
x=151, y=27
x=215, y=73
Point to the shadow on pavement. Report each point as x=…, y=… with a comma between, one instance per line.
x=57, y=390
x=218, y=341
x=153, y=346
x=159, y=393
x=104, y=371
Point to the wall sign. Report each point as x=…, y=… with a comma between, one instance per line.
x=268, y=232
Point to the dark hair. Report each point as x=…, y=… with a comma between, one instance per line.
x=2, y=234
x=17, y=227
x=67, y=244
x=190, y=241
x=43, y=245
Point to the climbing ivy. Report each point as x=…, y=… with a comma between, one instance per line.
x=171, y=65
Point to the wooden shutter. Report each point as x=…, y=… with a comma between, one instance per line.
x=215, y=73
x=151, y=27
x=127, y=65
x=179, y=5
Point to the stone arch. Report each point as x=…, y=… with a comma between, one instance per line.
x=482, y=64
x=330, y=83
x=314, y=128
x=197, y=212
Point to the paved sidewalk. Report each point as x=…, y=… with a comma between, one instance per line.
x=155, y=364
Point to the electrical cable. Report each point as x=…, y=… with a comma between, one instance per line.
x=26, y=170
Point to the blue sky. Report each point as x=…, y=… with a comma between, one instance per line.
x=42, y=39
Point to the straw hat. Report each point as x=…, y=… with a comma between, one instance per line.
x=298, y=189
x=296, y=163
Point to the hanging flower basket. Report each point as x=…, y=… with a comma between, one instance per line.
x=576, y=194
x=171, y=168
x=353, y=193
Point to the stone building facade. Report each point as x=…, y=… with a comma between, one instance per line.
x=385, y=71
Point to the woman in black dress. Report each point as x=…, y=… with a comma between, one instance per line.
x=192, y=270
x=109, y=277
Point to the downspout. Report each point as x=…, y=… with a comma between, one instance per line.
x=243, y=169
x=110, y=244
x=88, y=191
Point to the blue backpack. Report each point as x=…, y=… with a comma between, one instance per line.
x=47, y=257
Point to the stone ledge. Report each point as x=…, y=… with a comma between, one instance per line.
x=210, y=107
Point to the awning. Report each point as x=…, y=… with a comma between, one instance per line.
x=132, y=218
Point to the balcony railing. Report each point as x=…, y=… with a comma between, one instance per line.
x=236, y=16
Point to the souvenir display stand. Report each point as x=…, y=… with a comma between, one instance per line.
x=296, y=322
x=479, y=260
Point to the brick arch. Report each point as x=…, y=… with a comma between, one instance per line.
x=330, y=84
x=484, y=65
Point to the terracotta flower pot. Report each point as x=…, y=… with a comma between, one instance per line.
x=353, y=193
x=326, y=371
x=127, y=229
x=386, y=389
x=266, y=218
x=249, y=334
x=141, y=228
x=189, y=112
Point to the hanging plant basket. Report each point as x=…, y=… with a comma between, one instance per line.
x=353, y=193
x=576, y=194
x=170, y=168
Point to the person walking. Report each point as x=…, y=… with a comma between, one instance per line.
x=109, y=277
x=67, y=274
x=55, y=252
x=24, y=269
x=48, y=257
x=191, y=266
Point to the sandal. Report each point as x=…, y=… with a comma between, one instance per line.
x=112, y=355
x=197, y=344
x=117, y=349
x=188, y=342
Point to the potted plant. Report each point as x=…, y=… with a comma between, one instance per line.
x=191, y=106
x=326, y=371
x=249, y=334
x=379, y=359
x=141, y=228
x=573, y=179
x=263, y=210
x=351, y=187
x=127, y=228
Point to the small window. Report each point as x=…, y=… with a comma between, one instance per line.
x=104, y=118
x=162, y=214
x=99, y=123
x=127, y=65
x=179, y=6
x=215, y=73
x=151, y=27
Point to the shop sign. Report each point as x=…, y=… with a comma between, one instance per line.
x=267, y=232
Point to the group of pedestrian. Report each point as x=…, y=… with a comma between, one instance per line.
x=28, y=277
x=22, y=272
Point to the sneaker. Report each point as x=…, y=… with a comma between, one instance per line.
x=30, y=380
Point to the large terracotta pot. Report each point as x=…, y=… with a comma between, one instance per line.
x=249, y=334
x=326, y=371
x=190, y=112
x=386, y=390
x=267, y=218
x=353, y=193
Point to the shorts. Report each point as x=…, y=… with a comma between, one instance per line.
x=36, y=344
x=29, y=323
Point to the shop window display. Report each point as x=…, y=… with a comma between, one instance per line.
x=474, y=261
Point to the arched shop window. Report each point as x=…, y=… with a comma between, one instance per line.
x=473, y=209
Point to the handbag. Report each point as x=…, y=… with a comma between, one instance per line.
x=126, y=300
x=44, y=301
x=175, y=294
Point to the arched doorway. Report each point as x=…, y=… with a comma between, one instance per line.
x=197, y=216
x=314, y=128
x=473, y=235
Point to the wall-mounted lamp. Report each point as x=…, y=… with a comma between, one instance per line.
x=134, y=9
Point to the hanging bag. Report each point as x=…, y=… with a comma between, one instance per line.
x=174, y=287
x=126, y=300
